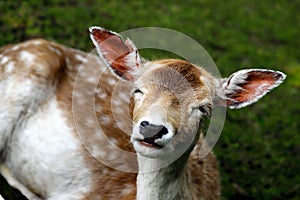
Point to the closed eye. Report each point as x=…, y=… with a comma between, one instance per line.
x=138, y=91
x=138, y=94
x=204, y=109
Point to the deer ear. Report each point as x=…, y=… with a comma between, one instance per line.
x=247, y=86
x=123, y=58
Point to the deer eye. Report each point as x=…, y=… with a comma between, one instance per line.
x=138, y=91
x=204, y=109
x=138, y=94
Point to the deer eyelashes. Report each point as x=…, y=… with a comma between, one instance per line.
x=204, y=110
x=138, y=91
x=137, y=94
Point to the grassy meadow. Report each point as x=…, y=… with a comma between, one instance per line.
x=259, y=148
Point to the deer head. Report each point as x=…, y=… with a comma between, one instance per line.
x=170, y=96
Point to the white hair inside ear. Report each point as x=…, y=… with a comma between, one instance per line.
x=247, y=86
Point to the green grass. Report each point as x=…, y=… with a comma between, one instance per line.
x=259, y=147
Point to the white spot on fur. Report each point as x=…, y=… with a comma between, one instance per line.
x=67, y=60
x=98, y=152
x=82, y=74
x=102, y=95
x=121, y=124
x=98, y=91
x=79, y=98
x=54, y=50
x=115, y=125
x=37, y=42
x=90, y=122
x=117, y=102
x=92, y=79
x=27, y=57
x=118, y=110
x=40, y=68
x=112, y=156
x=77, y=95
x=111, y=82
x=123, y=95
x=79, y=57
x=105, y=120
x=4, y=60
x=10, y=67
x=105, y=171
x=16, y=47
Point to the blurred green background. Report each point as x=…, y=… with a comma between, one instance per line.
x=259, y=149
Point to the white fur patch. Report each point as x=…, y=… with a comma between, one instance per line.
x=111, y=82
x=123, y=95
x=16, y=47
x=105, y=120
x=80, y=57
x=47, y=156
x=36, y=42
x=27, y=58
x=4, y=59
x=51, y=48
x=117, y=102
x=9, y=67
x=92, y=79
x=102, y=95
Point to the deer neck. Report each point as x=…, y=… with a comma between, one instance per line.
x=170, y=182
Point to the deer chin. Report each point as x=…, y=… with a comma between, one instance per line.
x=151, y=150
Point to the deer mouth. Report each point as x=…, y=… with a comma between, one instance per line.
x=149, y=142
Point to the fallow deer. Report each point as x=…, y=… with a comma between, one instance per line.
x=43, y=155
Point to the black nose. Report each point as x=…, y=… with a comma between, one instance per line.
x=151, y=131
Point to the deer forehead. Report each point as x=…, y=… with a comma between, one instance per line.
x=175, y=79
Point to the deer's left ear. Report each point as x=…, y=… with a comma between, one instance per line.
x=247, y=86
x=123, y=58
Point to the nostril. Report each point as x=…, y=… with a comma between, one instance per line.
x=151, y=131
x=144, y=123
x=163, y=131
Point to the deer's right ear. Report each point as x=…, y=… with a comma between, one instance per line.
x=123, y=58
